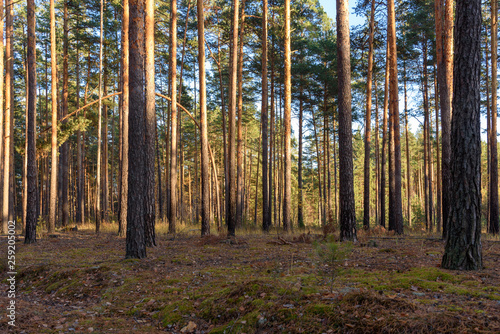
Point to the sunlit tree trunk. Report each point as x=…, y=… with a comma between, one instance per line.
x=150, y=127
x=266, y=179
x=124, y=120
x=233, y=64
x=493, y=205
x=53, y=169
x=64, y=149
x=384, y=141
x=174, y=117
x=445, y=83
x=366, y=197
x=135, y=239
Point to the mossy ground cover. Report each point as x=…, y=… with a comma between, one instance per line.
x=78, y=282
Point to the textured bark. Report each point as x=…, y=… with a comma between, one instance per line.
x=266, y=212
x=31, y=213
x=150, y=128
x=135, y=240
x=53, y=169
x=366, y=197
x=174, y=117
x=287, y=119
x=445, y=83
x=463, y=249
x=377, y=158
x=493, y=205
x=346, y=184
x=206, y=216
x=395, y=206
x=124, y=120
x=2, y=120
x=233, y=64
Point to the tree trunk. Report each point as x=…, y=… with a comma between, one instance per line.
x=493, y=205
x=64, y=150
x=300, y=211
x=366, y=197
x=346, y=185
x=174, y=117
x=124, y=123
x=239, y=163
x=150, y=127
x=445, y=83
x=31, y=214
x=395, y=206
x=8, y=152
x=135, y=239
x=463, y=249
x=287, y=196
x=384, y=141
x=206, y=216
x=408, y=175
x=233, y=63
x=99, y=129
x=266, y=212
x=53, y=168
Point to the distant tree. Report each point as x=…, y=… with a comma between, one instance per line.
x=463, y=249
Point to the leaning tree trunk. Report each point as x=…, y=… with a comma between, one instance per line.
x=463, y=249
x=346, y=185
x=31, y=213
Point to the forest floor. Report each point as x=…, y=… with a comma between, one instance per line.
x=77, y=282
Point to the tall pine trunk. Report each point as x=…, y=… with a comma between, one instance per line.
x=346, y=185
x=287, y=119
x=135, y=239
x=174, y=118
x=31, y=214
x=150, y=127
x=266, y=209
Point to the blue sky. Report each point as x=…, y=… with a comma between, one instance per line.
x=330, y=6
